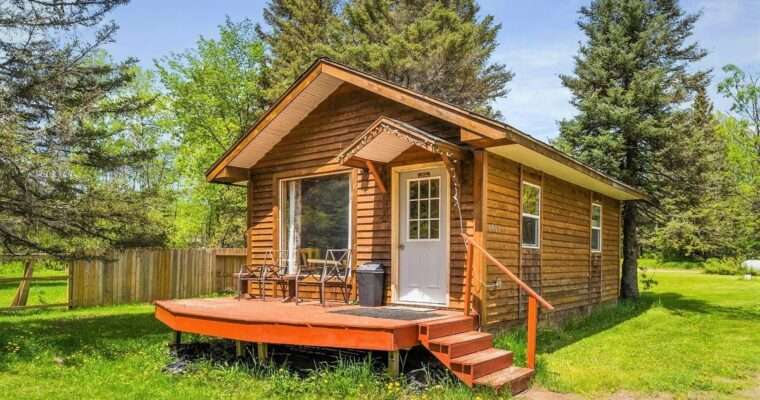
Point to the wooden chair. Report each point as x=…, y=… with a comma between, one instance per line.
x=270, y=271
x=334, y=271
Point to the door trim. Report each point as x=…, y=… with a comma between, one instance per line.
x=395, y=192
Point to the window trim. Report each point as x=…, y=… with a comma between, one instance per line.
x=599, y=228
x=440, y=204
x=523, y=214
x=282, y=194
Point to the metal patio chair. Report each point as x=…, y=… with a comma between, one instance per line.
x=272, y=270
x=333, y=271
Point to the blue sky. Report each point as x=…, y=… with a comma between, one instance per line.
x=537, y=42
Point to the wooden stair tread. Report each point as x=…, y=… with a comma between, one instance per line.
x=481, y=356
x=445, y=321
x=460, y=338
x=504, y=376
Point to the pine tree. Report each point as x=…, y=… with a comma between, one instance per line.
x=61, y=151
x=694, y=223
x=631, y=79
x=440, y=48
x=300, y=31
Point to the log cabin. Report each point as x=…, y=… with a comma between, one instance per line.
x=470, y=216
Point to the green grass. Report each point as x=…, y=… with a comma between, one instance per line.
x=50, y=292
x=119, y=352
x=692, y=333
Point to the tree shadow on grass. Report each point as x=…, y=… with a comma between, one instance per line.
x=551, y=339
x=102, y=335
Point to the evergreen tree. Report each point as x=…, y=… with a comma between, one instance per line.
x=440, y=48
x=695, y=223
x=299, y=32
x=60, y=148
x=631, y=80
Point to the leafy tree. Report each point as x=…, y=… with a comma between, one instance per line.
x=214, y=93
x=440, y=48
x=631, y=79
x=60, y=151
x=744, y=90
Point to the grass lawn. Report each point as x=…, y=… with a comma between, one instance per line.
x=692, y=333
x=39, y=292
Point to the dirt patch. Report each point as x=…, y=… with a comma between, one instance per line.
x=420, y=368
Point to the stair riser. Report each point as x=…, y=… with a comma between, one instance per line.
x=434, y=331
x=519, y=385
x=461, y=349
x=475, y=371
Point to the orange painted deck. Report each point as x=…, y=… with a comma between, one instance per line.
x=307, y=324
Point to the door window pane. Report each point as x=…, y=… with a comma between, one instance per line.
x=424, y=209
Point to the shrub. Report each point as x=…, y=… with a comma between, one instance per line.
x=723, y=266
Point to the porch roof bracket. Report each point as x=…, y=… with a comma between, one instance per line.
x=386, y=138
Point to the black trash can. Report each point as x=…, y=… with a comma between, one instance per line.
x=371, y=281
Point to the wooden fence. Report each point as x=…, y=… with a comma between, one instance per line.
x=143, y=275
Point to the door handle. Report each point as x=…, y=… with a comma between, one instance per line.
x=401, y=247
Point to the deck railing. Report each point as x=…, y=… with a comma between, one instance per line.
x=534, y=299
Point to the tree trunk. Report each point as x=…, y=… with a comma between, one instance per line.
x=629, y=282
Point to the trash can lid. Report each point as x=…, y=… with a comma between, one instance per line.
x=371, y=268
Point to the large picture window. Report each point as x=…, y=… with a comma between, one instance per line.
x=315, y=215
x=531, y=215
x=596, y=227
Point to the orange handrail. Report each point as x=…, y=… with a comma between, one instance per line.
x=524, y=286
x=533, y=300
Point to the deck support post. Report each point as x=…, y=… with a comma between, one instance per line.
x=262, y=351
x=394, y=364
x=239, y=349
x=177, y=338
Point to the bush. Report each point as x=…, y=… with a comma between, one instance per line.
x=723, y=266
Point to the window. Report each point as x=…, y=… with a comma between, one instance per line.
x=596, y=227
x=424, y=208
x=315, y=214
x=531, y=215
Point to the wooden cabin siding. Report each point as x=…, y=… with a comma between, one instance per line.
x=502, y=237
x=311, y=148
x=562, y=268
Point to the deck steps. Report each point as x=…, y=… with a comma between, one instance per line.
x=470, y=354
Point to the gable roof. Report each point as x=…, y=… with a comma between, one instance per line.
x=324, y=76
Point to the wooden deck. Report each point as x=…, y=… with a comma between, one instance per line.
x=337, y=325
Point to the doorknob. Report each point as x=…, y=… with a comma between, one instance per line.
x=401, y=247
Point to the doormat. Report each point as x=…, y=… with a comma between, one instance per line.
x=402, y=314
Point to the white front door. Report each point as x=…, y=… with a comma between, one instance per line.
x=423, y=231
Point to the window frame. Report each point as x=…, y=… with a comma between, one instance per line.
x=408, y=217
x=599, y=228
x=282, y=195
x=523, y=214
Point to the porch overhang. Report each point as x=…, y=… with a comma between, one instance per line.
x=387, y=138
